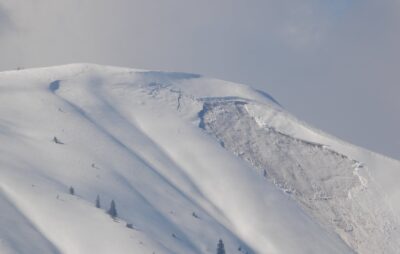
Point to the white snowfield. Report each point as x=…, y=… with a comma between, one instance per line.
x=188, y=160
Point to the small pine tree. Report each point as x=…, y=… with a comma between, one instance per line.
x=220, y=247
x=98, y=205
x=71, y=190
x=112, y=211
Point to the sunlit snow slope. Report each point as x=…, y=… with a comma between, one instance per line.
x=188, y=160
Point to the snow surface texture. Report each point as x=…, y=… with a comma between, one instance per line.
x=133, y=136
x=335, y=189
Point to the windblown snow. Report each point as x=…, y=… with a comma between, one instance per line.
x=188, y=161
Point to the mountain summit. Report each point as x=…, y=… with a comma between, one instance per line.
x=99, y=159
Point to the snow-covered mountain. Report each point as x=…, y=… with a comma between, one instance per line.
x=188, y=160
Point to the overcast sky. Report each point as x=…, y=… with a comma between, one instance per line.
x=333, y=63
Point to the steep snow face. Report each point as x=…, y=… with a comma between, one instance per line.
x=338, y=191
x=133, y=136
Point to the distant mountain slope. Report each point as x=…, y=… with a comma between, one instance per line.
x=133, y=136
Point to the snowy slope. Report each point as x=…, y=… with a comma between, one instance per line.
x=151, y=141
x=337, y=190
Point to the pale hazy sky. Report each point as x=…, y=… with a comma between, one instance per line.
x=333, y=63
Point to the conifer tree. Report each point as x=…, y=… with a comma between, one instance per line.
x=113, y=210
x=220, y=247
x=98, y=205
x=71, y=190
